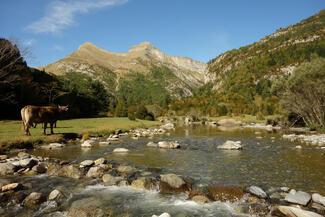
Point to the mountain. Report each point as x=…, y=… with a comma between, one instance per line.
x=179, y=75
x=252, y=79
x=273, y=56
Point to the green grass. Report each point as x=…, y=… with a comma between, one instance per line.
x=12, y=136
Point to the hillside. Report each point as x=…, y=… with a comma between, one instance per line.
x=178, y=75
x=251, y=79
x=275, y=55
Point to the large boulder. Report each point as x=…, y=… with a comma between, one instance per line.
x=7, y=169
x=70, y=171
x=229, y=122
x=172, y=183
x=298, y=197
x=28, y=162
x=231, y=145
x=317, y=198
x=88, y=207
x=288, y=211
x=169, y=144
x=34, y=199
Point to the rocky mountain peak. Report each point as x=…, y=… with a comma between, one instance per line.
x=143, y=46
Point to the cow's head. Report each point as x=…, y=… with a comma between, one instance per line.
x=63, y=108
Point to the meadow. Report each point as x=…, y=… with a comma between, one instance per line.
x=12, y=135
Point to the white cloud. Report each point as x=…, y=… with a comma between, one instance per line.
x=62, y=14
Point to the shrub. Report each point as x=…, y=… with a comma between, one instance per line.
x=305, y=93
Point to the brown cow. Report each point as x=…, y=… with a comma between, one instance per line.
x=31, y=115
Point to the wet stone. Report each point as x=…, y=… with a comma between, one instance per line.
x=298, y=197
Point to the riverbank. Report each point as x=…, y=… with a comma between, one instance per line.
x=11, y=132
x=150, y=168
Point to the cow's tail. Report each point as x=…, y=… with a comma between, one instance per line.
x=23, y=119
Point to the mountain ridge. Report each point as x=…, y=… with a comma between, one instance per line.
x=141, y=58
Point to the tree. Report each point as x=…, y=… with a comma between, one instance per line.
x=305, y=93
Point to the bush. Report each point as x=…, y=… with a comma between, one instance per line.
x=305, y=93
x=131, y=112
x=142, y=113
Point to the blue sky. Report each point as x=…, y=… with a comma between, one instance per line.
x=200, y=29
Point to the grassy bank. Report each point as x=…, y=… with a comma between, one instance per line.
x=11, y=132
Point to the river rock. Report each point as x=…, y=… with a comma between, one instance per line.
x=169, y=144
x=225, y=193
x=120, y=150
x=39, y=168
x=201, y=199
x=28, y=162
x=152, y=144
x=144, y=183
x=172, y=183
x=100, y=161
x=257, y=191
x=3, y=157
x=7, y=169
x=34, y=199
x=70, y=171
x=55, y=195
x=104, y=143
x=54, y=145
x=95, y=172
x=23, y=155
x=165, y=214
x=88, y=143
x=88, y=207
x=231, y=145
x=288, y=211
x=298, y=197
x=317, y=198
x=11, y=187
x=86, y=163
x=125, y=170
x=229, y=122
x=108, y=179
x=168, y=126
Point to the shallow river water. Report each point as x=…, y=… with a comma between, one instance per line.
x=269, y=161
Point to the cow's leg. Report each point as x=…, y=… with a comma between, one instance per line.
x=51, y=125
x=55, y=124
x=45, y=125
x=24, y=127
x=27, y=125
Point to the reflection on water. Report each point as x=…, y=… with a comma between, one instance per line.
x=263, y=162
